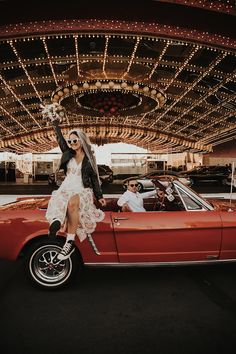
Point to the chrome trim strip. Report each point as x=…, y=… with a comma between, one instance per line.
x=118, y=218
x=180, y=196
x=159, y=264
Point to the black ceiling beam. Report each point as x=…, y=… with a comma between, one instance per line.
x=144, y=10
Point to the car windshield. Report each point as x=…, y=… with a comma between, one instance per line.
x=196, y=196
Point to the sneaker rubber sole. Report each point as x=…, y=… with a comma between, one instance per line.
x=54, y=228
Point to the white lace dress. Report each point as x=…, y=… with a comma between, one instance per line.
x=88, y=213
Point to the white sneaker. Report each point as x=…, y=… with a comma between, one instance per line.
x=66, y=250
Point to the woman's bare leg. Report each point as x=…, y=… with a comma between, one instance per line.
x=72, y=225
x=73, y=214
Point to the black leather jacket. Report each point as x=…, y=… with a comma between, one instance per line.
x=89, y=177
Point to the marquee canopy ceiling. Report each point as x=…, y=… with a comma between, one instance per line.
x=155, y=85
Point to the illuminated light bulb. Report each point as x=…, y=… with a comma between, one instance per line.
x=111, y=84
x=135, y=86
x=85, y=85
x=98, y=84
x=75, y=87
x=124, y=85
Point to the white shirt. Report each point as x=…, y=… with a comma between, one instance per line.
x=135, y=200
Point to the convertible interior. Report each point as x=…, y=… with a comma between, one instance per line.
x=150, y=204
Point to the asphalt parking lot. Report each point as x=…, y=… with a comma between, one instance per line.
x=126, y=310
x=152, y=310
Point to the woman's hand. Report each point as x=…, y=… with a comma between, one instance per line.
x=102, y=201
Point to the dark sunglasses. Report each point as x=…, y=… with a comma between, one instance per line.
x=133, y=185
x=72, y=141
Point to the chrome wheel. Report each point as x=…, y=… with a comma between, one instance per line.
x=43, y=268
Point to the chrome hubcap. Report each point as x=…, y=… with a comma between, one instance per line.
x=45, y=269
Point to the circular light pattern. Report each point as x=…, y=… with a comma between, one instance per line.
x=180, y=105
x=108, y=103
x=110, y=98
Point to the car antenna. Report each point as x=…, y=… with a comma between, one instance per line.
x=231, y=188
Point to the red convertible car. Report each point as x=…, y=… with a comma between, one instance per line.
x=181, y=229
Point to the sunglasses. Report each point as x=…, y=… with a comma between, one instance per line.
x=72, y=141
x=133, y=185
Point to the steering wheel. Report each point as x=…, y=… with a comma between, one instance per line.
x=159, y=205
x=163, y=189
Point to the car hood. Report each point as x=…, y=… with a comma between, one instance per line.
x=26, y=203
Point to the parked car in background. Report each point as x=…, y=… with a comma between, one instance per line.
x=208, y=174
x=145, y=181
x=179, y=168
x=56, y=178
x=105, y=175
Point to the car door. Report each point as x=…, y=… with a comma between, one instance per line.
x=169, y=236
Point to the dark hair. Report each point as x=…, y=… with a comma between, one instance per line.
x=75, y=133
x=130, y=180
